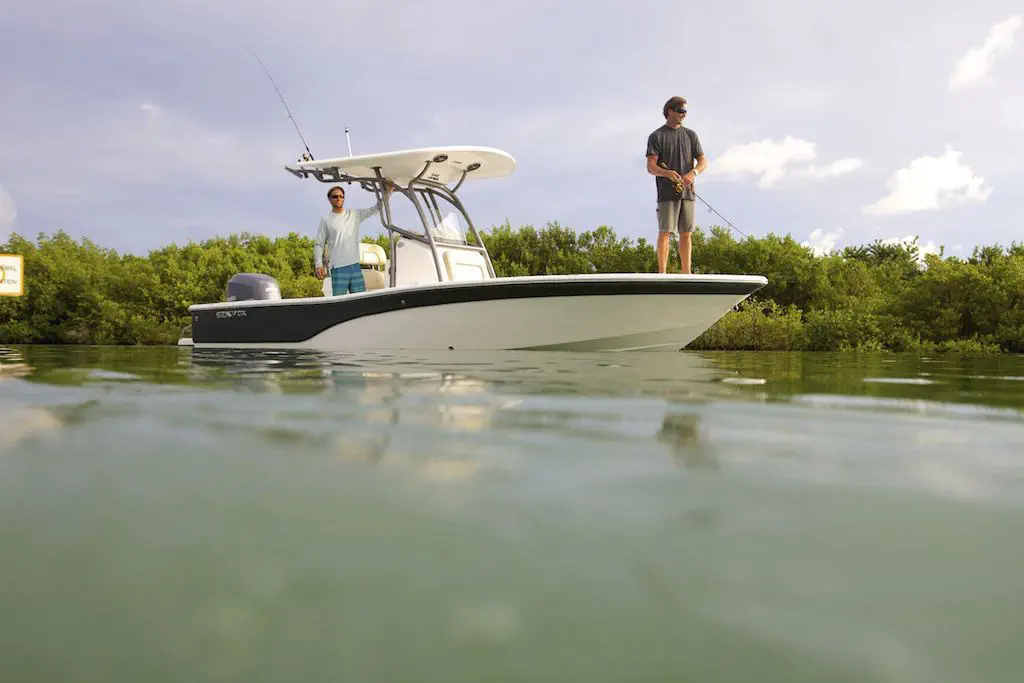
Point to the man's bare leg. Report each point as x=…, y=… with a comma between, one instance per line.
x=663, y=242
x=684, y=252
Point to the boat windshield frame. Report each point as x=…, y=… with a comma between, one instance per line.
x=427, y=191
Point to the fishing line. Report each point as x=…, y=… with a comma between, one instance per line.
x=715, y=211
x=679, y=189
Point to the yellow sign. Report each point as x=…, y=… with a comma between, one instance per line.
x=12, y=274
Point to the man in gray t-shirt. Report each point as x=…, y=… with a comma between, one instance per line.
x=671, y=153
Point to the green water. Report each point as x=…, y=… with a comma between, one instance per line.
x=180, y=515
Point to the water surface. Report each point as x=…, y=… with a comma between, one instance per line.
x=185, y=515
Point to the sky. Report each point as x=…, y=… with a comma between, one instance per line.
x=145, y=123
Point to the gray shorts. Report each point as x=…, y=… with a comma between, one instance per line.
x=675, y=216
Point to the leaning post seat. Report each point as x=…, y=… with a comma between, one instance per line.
x=373, y=261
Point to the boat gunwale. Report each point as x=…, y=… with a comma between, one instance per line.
x=527, y=286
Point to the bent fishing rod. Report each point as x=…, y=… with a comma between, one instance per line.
x=288, y=111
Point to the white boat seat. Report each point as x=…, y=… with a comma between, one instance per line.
x=371, y=254
x=373, y=262
x=375, y=279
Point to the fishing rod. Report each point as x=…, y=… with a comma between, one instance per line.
x=266, y=71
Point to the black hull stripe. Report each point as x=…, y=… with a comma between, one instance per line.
x=293, y=323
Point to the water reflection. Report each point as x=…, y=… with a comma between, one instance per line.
x=20, y=422
x=353, y=405
x=12, y=364
x=681, y=431
x=461, y=404
x=462, y=392
x=678, y=375
x=874, y=381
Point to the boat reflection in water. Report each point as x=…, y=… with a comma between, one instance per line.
x=378, y=397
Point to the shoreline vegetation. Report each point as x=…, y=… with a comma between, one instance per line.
x=876, y=297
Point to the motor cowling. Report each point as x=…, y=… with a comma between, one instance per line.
x=249, y=286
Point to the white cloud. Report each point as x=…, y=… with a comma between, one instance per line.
x=930, y=183
x=821, y=242
x=773, y=162
x=8, y=214
x=930, y=248
x=836, y=168
x=922, y=249
x=974, y=66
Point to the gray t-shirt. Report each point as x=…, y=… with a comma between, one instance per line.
x=677, y=148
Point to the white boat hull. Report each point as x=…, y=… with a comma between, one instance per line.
x=625, y=312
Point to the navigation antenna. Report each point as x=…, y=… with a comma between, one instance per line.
x=282, y=101
x=349, y=140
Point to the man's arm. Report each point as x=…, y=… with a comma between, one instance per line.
x=318, y=248
x=363, y=214
x=702, y=163
x=698, y=153
x=654, y=169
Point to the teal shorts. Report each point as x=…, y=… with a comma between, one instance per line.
x=345, y=279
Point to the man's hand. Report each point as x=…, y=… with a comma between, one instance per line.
x=320, y=272
x=689, y=178
x=675, y=177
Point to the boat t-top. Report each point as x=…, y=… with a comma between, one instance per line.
x=438, y=289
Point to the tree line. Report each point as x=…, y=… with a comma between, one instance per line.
x=880, y=296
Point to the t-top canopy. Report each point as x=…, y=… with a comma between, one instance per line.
x=446, y=164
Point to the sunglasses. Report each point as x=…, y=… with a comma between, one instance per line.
x=679, y=110
x=337, y=196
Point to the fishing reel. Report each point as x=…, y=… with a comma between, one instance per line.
x=679, y=186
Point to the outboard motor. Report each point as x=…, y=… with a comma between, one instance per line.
x=248, y=286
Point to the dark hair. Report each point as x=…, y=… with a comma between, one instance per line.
x=672, y=103
x=336, y=187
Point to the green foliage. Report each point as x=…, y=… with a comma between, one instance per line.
x=78, y=293
x=866, y=298
x=561, y=251
x=757, y=325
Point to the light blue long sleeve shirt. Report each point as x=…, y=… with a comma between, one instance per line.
x=338, y=234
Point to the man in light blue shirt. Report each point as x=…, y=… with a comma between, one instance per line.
x=338, y=234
